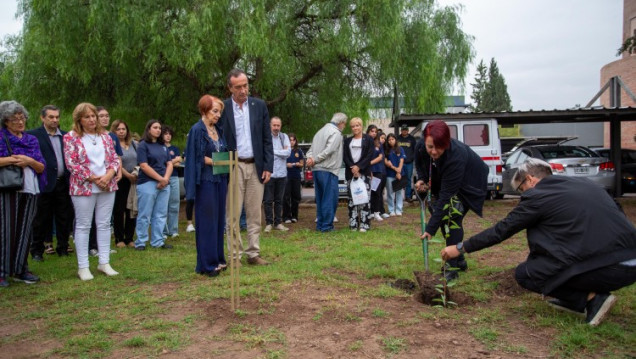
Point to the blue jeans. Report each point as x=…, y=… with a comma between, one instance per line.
x=153, y=211
x=408, y=167
x=394, y=199
x=326, y=188
x=172, y=224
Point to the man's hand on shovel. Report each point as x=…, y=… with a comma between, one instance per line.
x=426, y=236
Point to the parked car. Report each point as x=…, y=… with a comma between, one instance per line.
x=574, y=161
x=628, y=167
x=306, y=175
x=342, y=183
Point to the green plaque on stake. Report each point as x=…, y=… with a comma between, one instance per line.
x=223, y=167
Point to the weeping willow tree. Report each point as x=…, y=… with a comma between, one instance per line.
x=307, y=59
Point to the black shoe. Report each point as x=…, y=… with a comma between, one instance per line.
x=565, y=306
x=462, y=265
x=27, y=277
x=451, y=275
x=166, y=246
x=214, y=273
x=37, y=258
x=598, y=307
x=140, y=248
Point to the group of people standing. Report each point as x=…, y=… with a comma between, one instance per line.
x=582, y=246
x=80, y=182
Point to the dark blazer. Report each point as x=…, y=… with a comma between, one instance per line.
x=260, y=131
x=196, y=145
x=49, y=156
x=573, y=226
x=364, y=163
x=459, y=171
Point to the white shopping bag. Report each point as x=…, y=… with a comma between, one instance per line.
x=359, y=194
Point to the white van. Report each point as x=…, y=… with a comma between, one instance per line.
x=482, y=135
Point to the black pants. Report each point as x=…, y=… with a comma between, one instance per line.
x=273, y=199
x=189, y=209
x=576, y=290
x=53, y=206
x=454, y=235
x=291, y=199
x=377, y=196
x=123, y=224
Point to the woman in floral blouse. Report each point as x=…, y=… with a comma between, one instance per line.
x=90, y=157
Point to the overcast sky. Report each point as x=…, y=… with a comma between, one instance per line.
x=550, y=52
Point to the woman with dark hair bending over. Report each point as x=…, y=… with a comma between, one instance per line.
x=208, y=190
x=457, y=177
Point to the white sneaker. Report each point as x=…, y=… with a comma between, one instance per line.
x=175, y=235
x=316, y=220
x=93, y=253
x=398, y=213
x=392, y=214
x=113, y=251
x=190, y=228
x=287, y=221
x=384, y=215
x=377, y=217
x=335, y=219
x=268, y=228
x=280, y=227
x=294, y=220
x=107, y=269
x=362, y=230
x=84, y=274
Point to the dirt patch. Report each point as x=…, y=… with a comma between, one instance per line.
x=429, y=294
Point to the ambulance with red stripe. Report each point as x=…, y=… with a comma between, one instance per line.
x=482, y=135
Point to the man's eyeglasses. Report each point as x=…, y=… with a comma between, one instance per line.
x=520, y=184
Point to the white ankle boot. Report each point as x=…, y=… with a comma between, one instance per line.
x=107, y=269
x=377, y=216
x=84, y=274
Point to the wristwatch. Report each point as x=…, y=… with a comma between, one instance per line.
x=460, y=248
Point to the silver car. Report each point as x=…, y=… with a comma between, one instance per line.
x=574, y=161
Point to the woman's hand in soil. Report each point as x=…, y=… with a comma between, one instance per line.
x=450, y=252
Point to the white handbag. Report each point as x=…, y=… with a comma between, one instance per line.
x=359, y=194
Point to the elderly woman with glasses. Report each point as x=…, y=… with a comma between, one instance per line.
x=457, y=178
x=18, y=205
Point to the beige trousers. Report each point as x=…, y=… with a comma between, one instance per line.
x=251, y=197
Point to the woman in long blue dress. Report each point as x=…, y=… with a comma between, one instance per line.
x=207, y=189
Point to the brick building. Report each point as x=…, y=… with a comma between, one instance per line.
x=626, y=69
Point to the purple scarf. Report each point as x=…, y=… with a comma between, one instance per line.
x=27, y=145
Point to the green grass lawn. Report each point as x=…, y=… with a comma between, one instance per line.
x=137, y=312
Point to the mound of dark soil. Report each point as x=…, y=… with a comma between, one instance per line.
x=428, y=294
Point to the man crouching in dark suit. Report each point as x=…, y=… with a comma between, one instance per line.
x=54, y=200
x=582, y=246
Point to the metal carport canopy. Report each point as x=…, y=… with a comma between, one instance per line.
x=613, y=115
x=593, y=114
